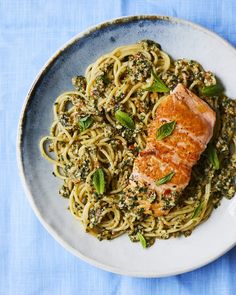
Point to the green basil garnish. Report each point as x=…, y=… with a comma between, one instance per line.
x=158, y=85
x=212, y=90
x=165, y=179
x=165, y=130
x=85, y=123
x=142, y=240
x=99, y=181
x=213, y=157
x=197, y=211
x=124, y=119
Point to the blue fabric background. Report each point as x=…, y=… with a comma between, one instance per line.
x=31, y=262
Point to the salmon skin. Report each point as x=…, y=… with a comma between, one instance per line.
x=177, y=153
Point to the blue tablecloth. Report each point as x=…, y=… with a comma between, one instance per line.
x=31, y=262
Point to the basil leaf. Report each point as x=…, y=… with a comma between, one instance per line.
x=124, y=119
x=158, y=85
x=165, y=179
x=142, y=240
x=99, y=181
x=213, y=157
x=197, y=210
x=165, y=130
x=85, y=123
x=212, y=90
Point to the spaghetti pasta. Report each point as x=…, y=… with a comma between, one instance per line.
x=86, y=135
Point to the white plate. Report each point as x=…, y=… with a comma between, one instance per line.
x=167, y=257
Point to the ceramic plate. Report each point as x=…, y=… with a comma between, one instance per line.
x=167, y=257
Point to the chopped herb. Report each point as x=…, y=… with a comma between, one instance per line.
x=150, y=44
x=142, y=240
x=165, y=130
x=165, y=179
x=64, y=120
x=79, y=82
x=124, y=119
x=85, y=123
x=212, y=90
x=197, y=210
x=213, y=157
x=158, y=85
x=105, y=79
x=99, y=181
x=64, y=192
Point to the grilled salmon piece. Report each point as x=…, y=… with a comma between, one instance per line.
x=179, y=151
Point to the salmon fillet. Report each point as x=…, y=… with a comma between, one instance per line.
x=179, y=151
